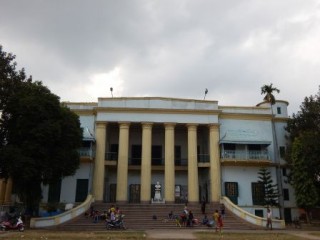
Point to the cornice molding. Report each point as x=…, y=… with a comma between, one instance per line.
x=157, y=98
x=246, y=116
x=158, y=111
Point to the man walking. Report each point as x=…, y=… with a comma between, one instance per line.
x=269, y=219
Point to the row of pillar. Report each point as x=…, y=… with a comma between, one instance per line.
x=169, y=171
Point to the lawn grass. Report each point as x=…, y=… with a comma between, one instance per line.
x=133, y=235
x=59, y=235
x=315, y=233
x=246, y=236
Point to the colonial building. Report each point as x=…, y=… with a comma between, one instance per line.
x=195, y=149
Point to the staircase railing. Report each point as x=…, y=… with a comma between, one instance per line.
x=63, y=217
x=259, y=221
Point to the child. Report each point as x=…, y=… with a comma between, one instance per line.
x=220, y=223
x=216, y=219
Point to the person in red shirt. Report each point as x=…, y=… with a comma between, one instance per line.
x=220, y=223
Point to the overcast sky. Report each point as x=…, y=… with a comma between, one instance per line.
x=167, y=48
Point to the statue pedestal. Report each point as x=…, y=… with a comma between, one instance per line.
x=157, y=195
x=161, y=201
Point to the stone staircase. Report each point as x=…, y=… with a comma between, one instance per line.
x=140, y=217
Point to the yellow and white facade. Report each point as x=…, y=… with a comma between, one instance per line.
x=196, y=149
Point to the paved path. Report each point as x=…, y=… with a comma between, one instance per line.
x=170, y=234
x=304, y=235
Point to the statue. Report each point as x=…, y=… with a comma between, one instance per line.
x=157, y=194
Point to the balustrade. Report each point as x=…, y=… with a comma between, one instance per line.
x=250, y=155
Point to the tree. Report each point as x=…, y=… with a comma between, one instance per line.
x=40, y=137
x=302, y=179
x=10, y=78
x=271, y=192
x=10, y=81
x=268, y=90
x=304, y=151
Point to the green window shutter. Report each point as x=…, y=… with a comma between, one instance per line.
x=54, y=192
x=258, y=193
x=232, y=191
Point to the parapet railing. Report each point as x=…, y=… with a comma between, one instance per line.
x=63, y=217
x=259, y=221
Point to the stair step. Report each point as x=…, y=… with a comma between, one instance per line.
x=140, y=217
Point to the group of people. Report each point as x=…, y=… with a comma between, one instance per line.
x=217, y=219
x=187, y=218
x=111, y=214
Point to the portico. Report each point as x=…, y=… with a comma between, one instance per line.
x=151, y=142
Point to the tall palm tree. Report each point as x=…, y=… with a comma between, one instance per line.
x=268, y=90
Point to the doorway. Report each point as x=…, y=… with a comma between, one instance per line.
x=134, y=193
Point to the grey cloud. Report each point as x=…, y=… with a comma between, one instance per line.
x=168, y=48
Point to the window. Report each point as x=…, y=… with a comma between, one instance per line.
x=257, y=193
x=177, y=152
x=287, y=215
x=86, y=144
x=286, y=194
x=82, y=190
x=284, y=172
x=177, y=155
x=254, y=147
x=229, y=150
x=136, y=154
x=258, y=212
x=279, y=110
x=54, y=192
x=113, y=155
x=156, y=155
x=282, y=151
x=229, y=146
x=231, y=191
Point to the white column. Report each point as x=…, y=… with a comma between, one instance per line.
x=215, y=186
x=122, y=170
x=98, y=176
x=169, y=168
x=193, y=181
x=145, y=194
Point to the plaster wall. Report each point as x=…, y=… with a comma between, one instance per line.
x=244, y=176
x=159, y=103
x=87, y=121
x=68, y=184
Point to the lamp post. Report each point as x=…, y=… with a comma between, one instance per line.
x=205, y=93
x=111, y=89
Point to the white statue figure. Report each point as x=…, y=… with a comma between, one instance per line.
x=157, y=194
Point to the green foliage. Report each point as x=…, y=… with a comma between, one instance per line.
x=39, y=137
x=303, y=154
x=302, y=179
x=268, y=90
x=10, y=83
x=271, y=190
